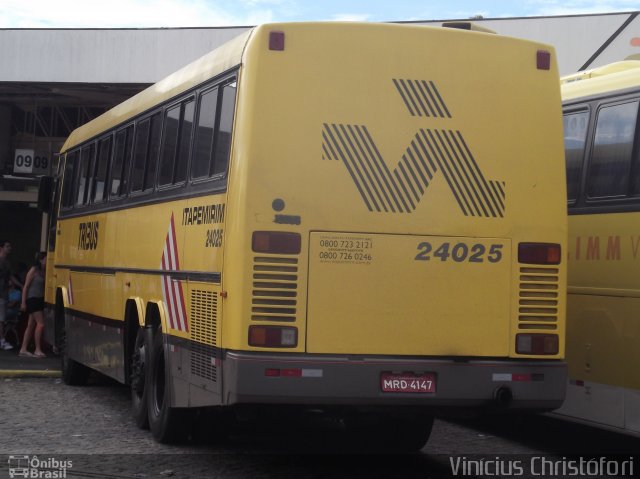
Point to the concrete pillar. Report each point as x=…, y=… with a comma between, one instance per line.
x=5, y=137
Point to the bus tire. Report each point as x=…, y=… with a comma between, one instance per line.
x=388, y=432
x=139, y=365
x=167, y=424
x=73, y=373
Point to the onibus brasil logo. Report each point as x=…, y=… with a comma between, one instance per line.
x=431, y=151
x=40, y=468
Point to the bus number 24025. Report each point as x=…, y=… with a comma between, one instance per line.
x=459, y=252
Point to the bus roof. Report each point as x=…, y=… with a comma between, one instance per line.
x=612, y=77
x=218, y=61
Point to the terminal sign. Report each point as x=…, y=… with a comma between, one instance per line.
x=31, y=162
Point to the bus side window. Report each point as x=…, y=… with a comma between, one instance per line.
x=93, y=171
x=610, y=168
x=87, y=155
x=184, y=147
x=140, y=149
x=575, y=136
x=635, y=169
x=68, y=189
x=213, y=134
x=169, y=142
x=104, y=154
x=203, y=145
x=121, y=160
x=223, y=138
x=153, y=151
x=176, y=143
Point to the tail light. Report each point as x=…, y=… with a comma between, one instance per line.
x=537, y=344
x=276, y=242
x=543, y=60
x=276, y=41
x=539, y=253
x=273, y=336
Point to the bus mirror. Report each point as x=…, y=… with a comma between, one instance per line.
x=44, y=194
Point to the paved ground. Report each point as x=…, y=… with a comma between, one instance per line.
x=91, y=427
x=12, y=365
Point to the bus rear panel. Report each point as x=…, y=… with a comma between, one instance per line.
x=401, y=228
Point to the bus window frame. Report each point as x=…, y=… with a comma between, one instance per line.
x=222, y=176
x=602, y=105
x=188, y=188
x=125, y=169
x=105, y=194
x=150, y=188
x=602, y=205
x=180, y=103
x=581, y=108
x=68, y=182
x=89, y=182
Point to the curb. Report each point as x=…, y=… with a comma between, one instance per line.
x=28, y=373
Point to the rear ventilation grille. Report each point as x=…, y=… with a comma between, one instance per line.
x=204, y=323
x=275, y=285
x=538, y=303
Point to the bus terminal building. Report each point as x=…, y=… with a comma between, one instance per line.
x=54, y=80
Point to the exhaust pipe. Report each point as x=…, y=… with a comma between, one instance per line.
x=503, y=396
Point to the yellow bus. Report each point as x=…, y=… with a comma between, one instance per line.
x=603, y=176
x=362, y=219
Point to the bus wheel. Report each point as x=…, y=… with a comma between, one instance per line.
x=388, y=432
x=73, y=373
x=167, y=424
x=139, y=362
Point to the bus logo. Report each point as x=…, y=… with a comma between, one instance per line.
x=172, y=291
x=431, y=151
x=18, y=466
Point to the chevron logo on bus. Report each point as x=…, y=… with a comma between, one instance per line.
x=430, y=151
x=172, y=292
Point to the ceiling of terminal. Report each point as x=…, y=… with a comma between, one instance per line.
x=53, y=110
x=27, y=95
x=56, y=109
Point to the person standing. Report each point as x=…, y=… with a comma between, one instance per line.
x=5, y=277
x=33, y=304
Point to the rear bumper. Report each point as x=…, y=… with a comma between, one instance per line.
x=356, y=380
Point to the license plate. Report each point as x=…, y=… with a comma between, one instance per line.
x=408, y=383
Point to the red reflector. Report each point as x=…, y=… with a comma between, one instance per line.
x=272, y=372
x=539, y=253
x=276, y=41
x=276, y=242
x=292, y=373
x=521, y=377
x=543, y=60
x=579, y=382
x=537, y=344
